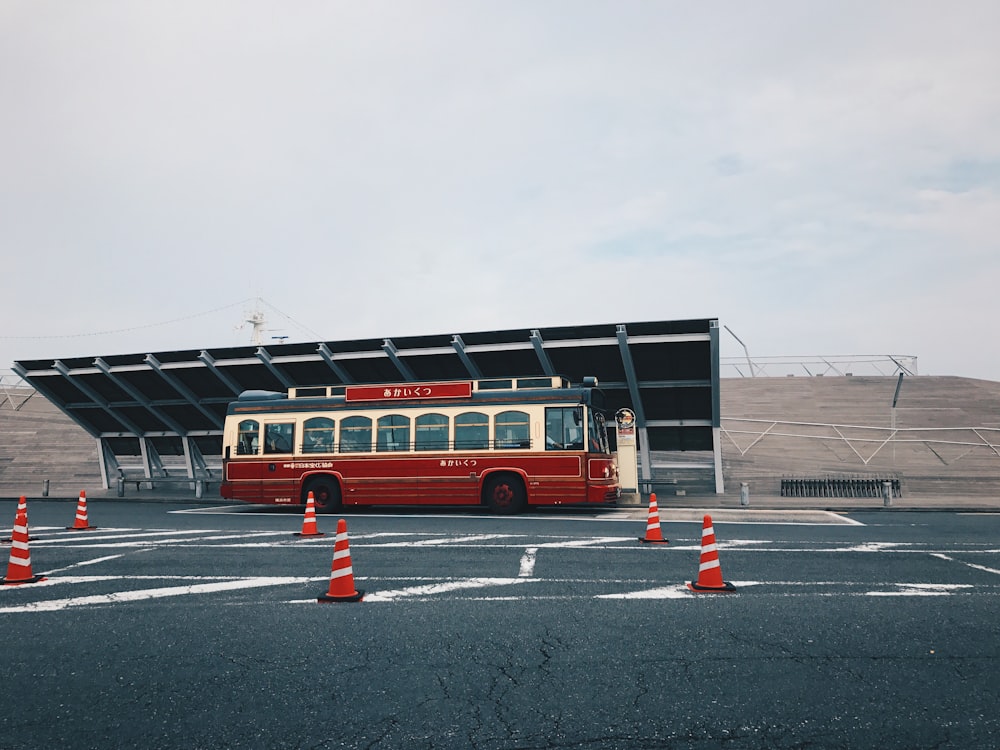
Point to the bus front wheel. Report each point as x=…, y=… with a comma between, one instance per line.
x=504, y=494
x=326, y=494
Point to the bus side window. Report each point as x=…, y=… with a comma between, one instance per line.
x=432, y=432
x=355, y=435
x=317, y=435
x=279, y=438
x=510, y=430
x=246, y=440
x=472, y=431
x=393, y=433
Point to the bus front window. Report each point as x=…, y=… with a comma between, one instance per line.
x=564, y=428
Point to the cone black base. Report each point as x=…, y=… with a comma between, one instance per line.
x=33, y=579
x=726, y=588
x=355, y=597
x=318, y=533
x=653, y=541
x=80, y=528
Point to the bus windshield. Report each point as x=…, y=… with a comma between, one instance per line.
x=598, y=433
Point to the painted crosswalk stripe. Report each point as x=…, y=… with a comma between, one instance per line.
x=445, y=587
x=118, y=597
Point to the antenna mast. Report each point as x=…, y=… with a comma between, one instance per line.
x=259, y=323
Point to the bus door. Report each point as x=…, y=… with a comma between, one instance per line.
x=278, y=477
x=245, y=467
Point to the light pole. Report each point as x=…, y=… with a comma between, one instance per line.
x=892, y=418
x=746, y=352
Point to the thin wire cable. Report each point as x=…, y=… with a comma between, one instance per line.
x=133, y=328
x=290, y=319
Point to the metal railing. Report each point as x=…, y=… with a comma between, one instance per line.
x=814, y=366
x=15, y=392
x=866, y=442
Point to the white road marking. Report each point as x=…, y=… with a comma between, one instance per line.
x=186, y=541
x=750, y=516
x=62, y=580
x=592, y=515
x=922, y=589
x=465, y=589
x=218, y=510
x=65, y=532
x=82, y=563
x=435, y=589
x=527, y=567
x=455, y=540
x=118, y=597
x=875, y=547
x=438, y=588
x=970, y=565
x=138, y=539
x=588, y=542
x=663, y=592
x=102, y=535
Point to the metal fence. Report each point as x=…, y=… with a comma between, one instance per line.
x=818, y=365
x=945, y=446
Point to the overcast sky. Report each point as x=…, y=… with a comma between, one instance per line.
x=823, y=178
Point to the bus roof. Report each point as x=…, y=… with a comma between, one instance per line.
x=417, y=395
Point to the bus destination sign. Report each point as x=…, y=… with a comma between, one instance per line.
x=403, y=391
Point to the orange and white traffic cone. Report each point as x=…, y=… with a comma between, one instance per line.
x=709, y=569
x=81, y=523
x=341, y=573
x=309, y=527
x=22, y=509
x=653, y=533
x=19, y=567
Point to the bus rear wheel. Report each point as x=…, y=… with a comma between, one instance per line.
x=504, y=494
x=326, y=494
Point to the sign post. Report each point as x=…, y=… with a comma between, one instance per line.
x=627, y=458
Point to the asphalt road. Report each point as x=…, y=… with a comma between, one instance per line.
x=173, y=626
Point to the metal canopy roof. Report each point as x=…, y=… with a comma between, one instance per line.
x=175, y=402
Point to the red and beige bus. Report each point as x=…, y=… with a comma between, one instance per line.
x=504, y=443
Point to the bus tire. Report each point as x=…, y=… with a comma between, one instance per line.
x=326, y=494
x=504, y=494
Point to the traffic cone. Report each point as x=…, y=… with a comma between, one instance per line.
x=81, y=514
x=309, y=527
x=653, y=533
x=709, y=569
x=341, y=573
x=19, y=567
x=22, y=509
